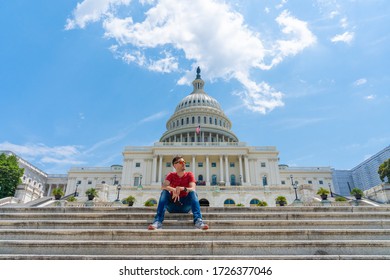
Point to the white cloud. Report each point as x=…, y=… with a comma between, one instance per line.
x=301, y=38
x=92, y=11
x=154, y=117
x=370, y=97
x=60, y=155
x=360, y=82
x=221, y=43
x=346, y=37
x=344, y=22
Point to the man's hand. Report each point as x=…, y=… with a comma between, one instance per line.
x=176, y=194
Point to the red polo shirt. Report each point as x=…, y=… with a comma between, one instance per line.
x=183, y=181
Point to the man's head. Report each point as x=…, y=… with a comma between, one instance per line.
x=179, y=163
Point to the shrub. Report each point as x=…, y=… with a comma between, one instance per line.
x=340, y=198
x=322, y=191
x=262, y=203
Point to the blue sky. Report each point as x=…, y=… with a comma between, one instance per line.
x=80, y=80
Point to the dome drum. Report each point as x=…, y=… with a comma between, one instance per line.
x=198, y=109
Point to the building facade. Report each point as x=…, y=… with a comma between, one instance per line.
x=364, y=176
x=227, y=171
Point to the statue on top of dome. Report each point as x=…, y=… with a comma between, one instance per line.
x=198, y=72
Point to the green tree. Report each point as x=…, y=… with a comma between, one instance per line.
x=384, y=171
x=10, y=174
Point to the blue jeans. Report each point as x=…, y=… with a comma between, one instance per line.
x=189, y=202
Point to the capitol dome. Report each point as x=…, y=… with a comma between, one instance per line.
x=198, y=118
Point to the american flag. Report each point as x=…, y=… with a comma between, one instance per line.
x=198, y=129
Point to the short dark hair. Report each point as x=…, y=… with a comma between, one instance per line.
x=176, y=158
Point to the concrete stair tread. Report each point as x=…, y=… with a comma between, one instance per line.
x=192, y=257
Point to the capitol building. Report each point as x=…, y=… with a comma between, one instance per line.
x=228, y=172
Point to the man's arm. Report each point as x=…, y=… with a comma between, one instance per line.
x=167, y=186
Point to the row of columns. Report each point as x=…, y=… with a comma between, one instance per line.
x=202, y=135
x=224, y=176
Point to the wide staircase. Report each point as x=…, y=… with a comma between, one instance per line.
x=311, y=232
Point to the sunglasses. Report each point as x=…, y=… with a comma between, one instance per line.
x=180, y=161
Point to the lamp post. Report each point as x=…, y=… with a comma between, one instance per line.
x=75, y=191
x=330, y=189
x=119, y=190
x=295, y=187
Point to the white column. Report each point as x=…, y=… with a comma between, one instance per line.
x=241, y=173
x=207, y=171
x=221, y=169
x=227, y=170
x=193, y=166
x=258, y=180
x=247, y=178
x=160, y=171
x=154, y=169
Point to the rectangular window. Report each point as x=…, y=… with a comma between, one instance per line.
x=283, y=182
x=213, y=164
x=200, y=164
x=321, y=182
x=310, y=182
x=187, y=164
x=89, y=182
x=232, y=164
x=79, y=182
x=137, y=164
x=168, y=164
x=263, y=164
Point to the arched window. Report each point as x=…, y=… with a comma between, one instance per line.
x=254, y=202
x=198, y=119
x=193, y=120
x=229, y=202
x=200, y=177
x=188, y=120
x=211, y=120
x=204, y=202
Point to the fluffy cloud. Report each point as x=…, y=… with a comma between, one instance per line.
x=221, y=43
x=92, y=11
x=346, y=37
x=42, y=154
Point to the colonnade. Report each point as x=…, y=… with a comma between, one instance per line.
x=224, y=176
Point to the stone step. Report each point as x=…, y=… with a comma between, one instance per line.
x=192, y=257
x=188, y=224
x=269, y=209
x=206, y=216
x=178, y=248
x=195, y=234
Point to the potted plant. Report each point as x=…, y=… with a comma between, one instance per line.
x=129, y=200
x=58, y=192
x=71, y=199
x=281, y=200
x=357, y=193
x=91, y=193
x=149, y=203
x=262, y=203
x=323, y=193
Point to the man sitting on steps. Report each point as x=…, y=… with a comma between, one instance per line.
x=178, y=196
